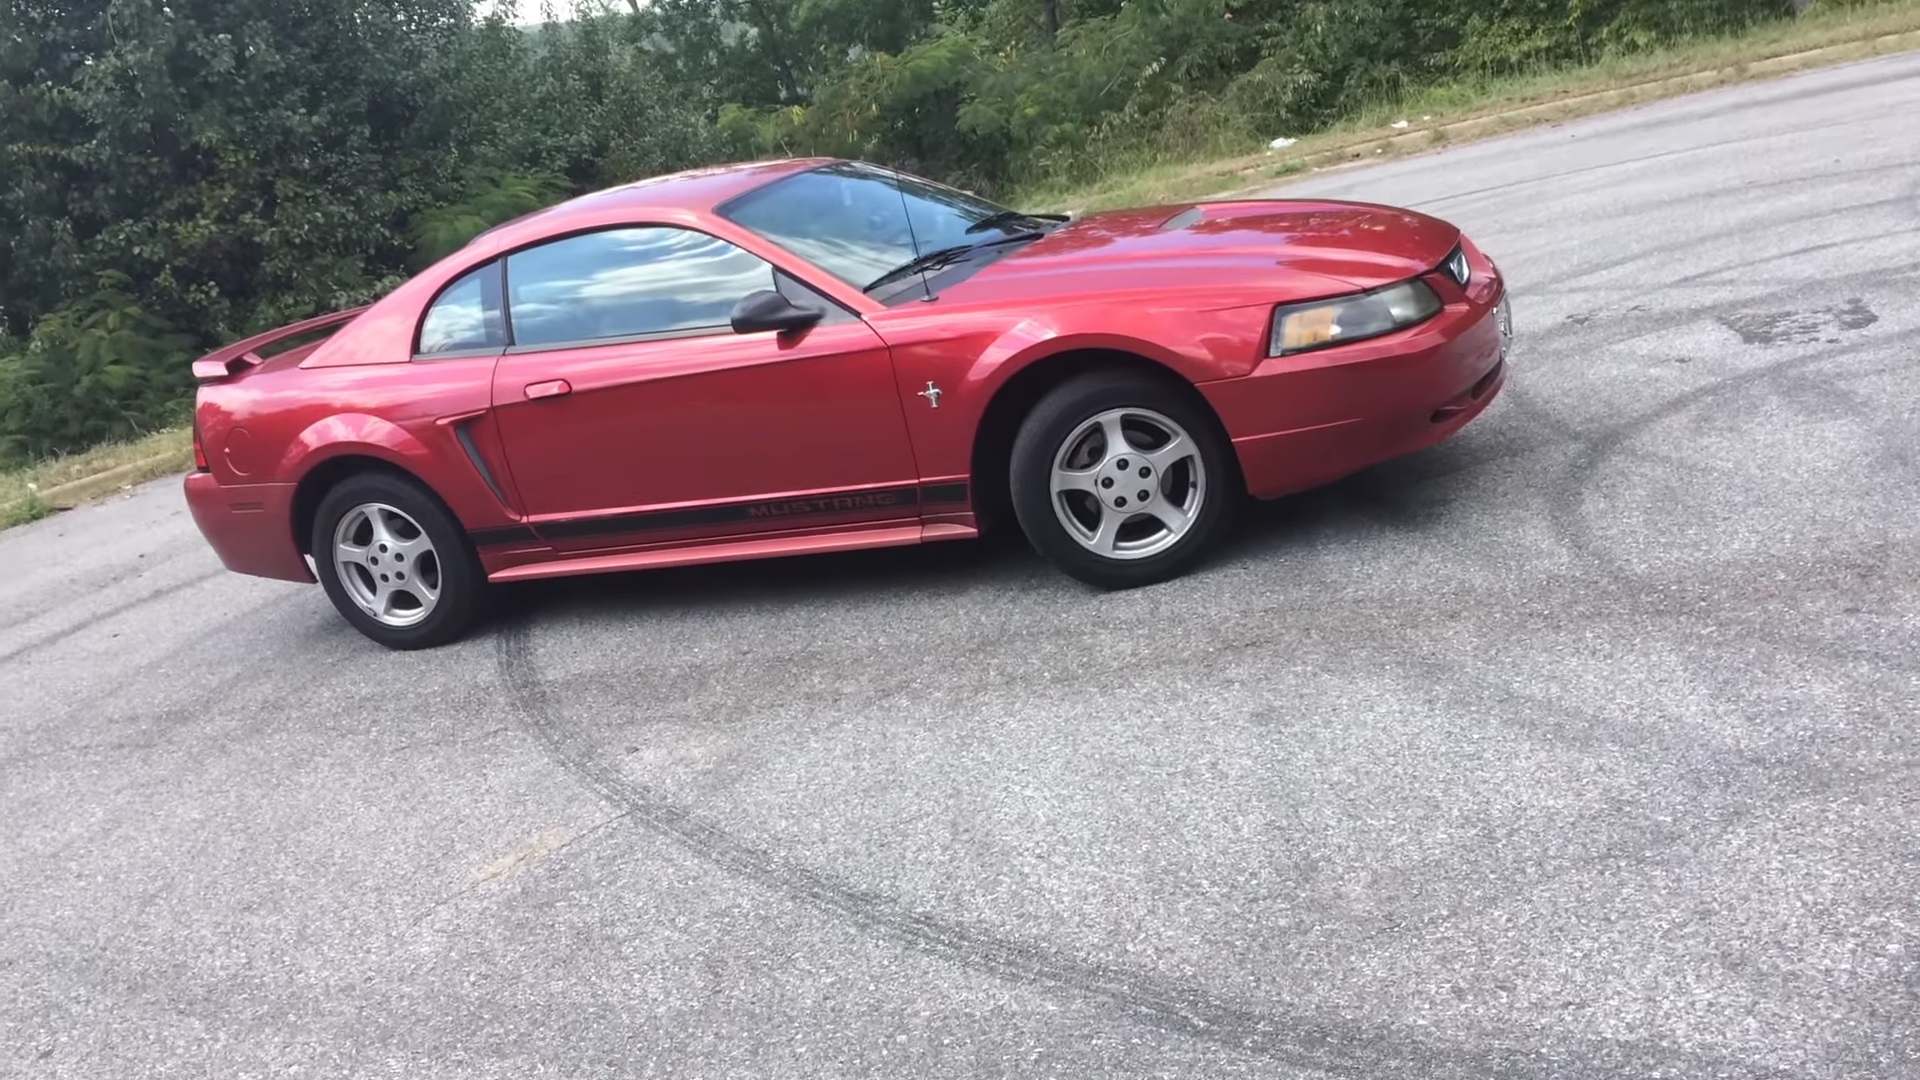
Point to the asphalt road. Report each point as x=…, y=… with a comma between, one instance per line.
x=1582, y=746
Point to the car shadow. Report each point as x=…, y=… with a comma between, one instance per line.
x=996, y=561
x=1419, y=492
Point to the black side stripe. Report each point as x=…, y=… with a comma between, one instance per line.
x=941, y=494
x=903, y=500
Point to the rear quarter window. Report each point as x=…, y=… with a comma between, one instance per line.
x=467, y=316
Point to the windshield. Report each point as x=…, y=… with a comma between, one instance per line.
x=851, y=220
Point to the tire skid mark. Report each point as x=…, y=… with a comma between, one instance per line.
x=1695, y=243
x=142, y=733
x=1327, y=1047
x=168, y=547
x=210, y=654
x=1654, y=842
x=89, y=622
x=1564, y=503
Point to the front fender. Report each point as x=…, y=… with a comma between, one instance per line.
x=1199, y=345
x=972, y=354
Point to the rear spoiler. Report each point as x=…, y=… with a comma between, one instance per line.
x=244, y=355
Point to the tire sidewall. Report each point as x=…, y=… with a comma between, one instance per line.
x=1058, y=415
x=461, y=581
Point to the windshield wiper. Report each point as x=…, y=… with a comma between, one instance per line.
x=933, y=260
x=1008, y=217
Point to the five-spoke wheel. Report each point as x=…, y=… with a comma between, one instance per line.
x=1121, y=479
x=1128, y=483
x=387, y=563
x=395, y=562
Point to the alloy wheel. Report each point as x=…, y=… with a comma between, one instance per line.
x=1128, y=483
x=387, y=564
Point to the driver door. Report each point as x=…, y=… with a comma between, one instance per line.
x=632, y=414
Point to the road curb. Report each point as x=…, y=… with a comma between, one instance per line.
x=62, y=496
x=109, y=476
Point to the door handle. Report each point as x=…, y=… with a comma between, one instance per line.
x=550, y=388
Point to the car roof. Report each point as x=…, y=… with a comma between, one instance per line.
x=699, y=190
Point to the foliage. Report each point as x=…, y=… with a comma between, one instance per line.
x=173, y=175
x=492, y=196
x=30, y=508
x=98, y=368
x=985, y=95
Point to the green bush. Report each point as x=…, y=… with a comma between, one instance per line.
x=100, y=368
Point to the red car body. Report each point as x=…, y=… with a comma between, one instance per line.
x=710, y=447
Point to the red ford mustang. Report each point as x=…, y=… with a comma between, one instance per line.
x=808, y=356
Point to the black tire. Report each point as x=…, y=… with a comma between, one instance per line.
x=462, y=584
x=1062, y=413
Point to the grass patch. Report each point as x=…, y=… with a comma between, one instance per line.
x=65, y=482
x=1461, y=111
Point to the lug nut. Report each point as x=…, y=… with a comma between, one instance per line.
x=1122, y=463
x=1145, y=472
x=1143, y=496
x=1121, y=501
x=1106, y=481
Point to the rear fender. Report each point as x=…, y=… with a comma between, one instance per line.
x=445, y=468
x=355, y=435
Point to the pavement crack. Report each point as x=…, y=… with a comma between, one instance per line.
x=523, y=859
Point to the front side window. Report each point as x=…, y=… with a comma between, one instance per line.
x=623, y=283
x=466, y=316
x=858, y=221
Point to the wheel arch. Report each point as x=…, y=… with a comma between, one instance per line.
x=1011, y=402
x=331, y=472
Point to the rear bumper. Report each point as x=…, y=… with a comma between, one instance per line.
x=250, y=526
x=1302, y=421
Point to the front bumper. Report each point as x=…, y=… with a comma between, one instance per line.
x=249, y=526
x=1298, y=422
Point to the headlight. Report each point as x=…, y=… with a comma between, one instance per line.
x=1324, y=323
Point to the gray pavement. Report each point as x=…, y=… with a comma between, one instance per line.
x=1582, y=746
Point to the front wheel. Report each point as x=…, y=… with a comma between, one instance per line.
x=1121, y=481
x=395, y=563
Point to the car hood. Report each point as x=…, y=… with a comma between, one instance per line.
x=1282, y=250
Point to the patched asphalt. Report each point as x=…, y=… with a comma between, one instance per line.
x=1581, y=746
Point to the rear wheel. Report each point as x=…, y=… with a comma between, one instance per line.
x=1120, y=481
x=395, y=563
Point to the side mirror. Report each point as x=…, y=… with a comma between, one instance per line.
x=769, y=310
